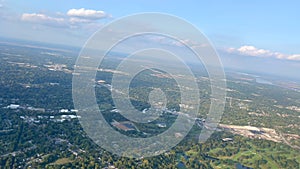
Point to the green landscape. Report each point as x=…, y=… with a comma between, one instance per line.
x=40, y=128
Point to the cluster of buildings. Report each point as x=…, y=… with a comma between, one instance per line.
x=39, y=119
x=65, y=114
x=16, y=106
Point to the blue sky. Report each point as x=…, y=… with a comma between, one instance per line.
x=254, y=28
x=269, y=24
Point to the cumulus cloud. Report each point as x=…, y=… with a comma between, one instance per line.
x=294, y=57
x=78, y=20
x=253, y=51
x=43, y=19
x=174, y=42
x=74, y=19
x=86, y=13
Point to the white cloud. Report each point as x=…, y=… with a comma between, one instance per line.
x=294, y=57
x=253, y=51
x=43, y=19
x=174, y=42
x=86, y=13
x=74, y=18
x=78, y=20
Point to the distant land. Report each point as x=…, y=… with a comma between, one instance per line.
x=270, y=69
x=277, y=68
